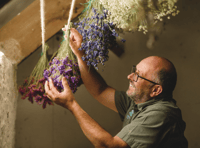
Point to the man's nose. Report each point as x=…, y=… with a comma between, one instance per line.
x=130, y=76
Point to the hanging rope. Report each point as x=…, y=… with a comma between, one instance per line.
x=42, y=17
x=42, y=64
x=65, y=43
x=70, y=14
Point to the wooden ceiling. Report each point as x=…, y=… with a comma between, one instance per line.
x=22, y=35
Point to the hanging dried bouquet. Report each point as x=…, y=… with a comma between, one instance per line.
x=99, y=35
x=131, y=15
x=64, y=64
x=33, y=86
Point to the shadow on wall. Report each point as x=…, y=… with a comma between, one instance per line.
x=4, y=2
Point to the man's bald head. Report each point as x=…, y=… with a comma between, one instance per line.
x=163, y=73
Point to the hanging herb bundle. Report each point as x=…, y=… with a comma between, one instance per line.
x=35, y=92
x=131, y=15
x=126, y=15
x=33, y=87
x=98, y=34
x=163, y=8
x=64, y=65
x=42, y=64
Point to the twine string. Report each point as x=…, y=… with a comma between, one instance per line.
x=42, y=17
x=70, y=14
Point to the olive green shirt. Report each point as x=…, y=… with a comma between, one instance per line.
x=153, y=124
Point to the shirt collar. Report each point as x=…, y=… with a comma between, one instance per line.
x=140, y=106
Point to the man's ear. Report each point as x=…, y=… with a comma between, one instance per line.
x=156, y=90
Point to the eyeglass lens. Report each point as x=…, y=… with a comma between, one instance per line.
x=135, y=76
x=133, y=69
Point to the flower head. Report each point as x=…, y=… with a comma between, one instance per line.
x=98, y=36
x=64, y=68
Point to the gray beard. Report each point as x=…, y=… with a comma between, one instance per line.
x=137, y=97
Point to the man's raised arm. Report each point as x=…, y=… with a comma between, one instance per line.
x=92, y=80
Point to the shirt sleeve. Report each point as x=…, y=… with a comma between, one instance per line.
x=146, y=130
x=122, y=102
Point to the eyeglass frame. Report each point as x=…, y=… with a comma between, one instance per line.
x=133, y=71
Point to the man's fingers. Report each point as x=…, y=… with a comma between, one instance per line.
x=51, y=85
x=48, y=91
x=49, y=98
x=46, y=86
x=76, y=35
x=75, y=32
x=65, y=84
x=71, y=43
x=63, y=29
x=51, y=90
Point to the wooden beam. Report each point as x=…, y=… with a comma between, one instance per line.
x=22, y=35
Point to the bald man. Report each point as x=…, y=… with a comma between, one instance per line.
x=150, y=116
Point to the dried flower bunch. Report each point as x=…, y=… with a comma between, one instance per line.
x=164, y=8
x=64, y=67
x=33, y=87
x=131, y=15
x=98, y=36
x=35, y=92
x=64, y=64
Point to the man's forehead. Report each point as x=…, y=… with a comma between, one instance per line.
x=139, y=70
x=144, y=68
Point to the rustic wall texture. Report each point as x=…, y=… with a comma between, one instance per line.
x=8, y=102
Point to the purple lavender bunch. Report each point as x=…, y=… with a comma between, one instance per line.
x=98, y=37
x=63, y=67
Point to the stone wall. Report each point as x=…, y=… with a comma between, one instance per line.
x=8, y=102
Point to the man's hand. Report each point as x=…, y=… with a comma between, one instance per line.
x=75, y=41
x=65, y=98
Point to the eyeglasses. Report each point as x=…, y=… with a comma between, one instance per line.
x=136, y=75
